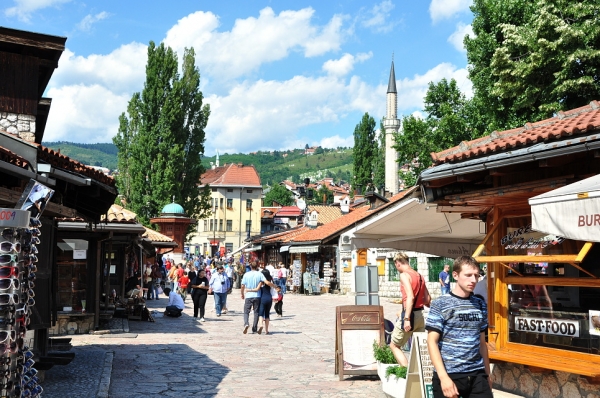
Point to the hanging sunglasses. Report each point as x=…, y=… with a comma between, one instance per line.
x=5, y=361
x=8, y=272
x=27, y=293
x=30, y=276
x=11, y=348
x=9, y=233
x=26, y=299
x=5, y=373
x=33, y=258
x=8, y=298
x=32, y=268
x=6, y=334
x=7, y=247
x=29, y=248
x=7, y=386
x=34, y=231
x=9, y=283
x=8, y=258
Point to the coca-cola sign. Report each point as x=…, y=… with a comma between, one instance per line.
x=360, y=318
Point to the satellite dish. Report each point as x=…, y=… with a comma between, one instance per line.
x=301, y=204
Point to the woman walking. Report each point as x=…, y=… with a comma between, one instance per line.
x=199, y=294
x=266, y=301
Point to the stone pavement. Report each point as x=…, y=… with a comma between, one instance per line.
x=178, y=357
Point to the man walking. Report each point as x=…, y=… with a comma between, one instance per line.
x=444, y=279
x=457, y=324
x=414, y=297
x=252, y=299
x=219, y=283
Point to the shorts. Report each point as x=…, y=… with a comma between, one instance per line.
x=473, y=386
x=400, y=336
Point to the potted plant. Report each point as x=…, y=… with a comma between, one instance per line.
x=395, y=381
x=385, y=358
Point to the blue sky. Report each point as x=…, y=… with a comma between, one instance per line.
x=277, y=74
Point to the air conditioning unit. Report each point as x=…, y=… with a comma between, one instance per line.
x=346, y=239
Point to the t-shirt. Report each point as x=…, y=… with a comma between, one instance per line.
x=197, y=282
x=284, y=272
x=176, y=300
x=445, y=277
x=251, y=280
x=183, y=282
x=460, y=322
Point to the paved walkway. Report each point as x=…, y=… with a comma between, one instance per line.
x=177, y=357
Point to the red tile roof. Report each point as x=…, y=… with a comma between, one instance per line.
x=566, y=124
x=289, y=211
x=231, y=175
x=119, y=214
x=338, y=226
x=269, y=212
x=156, y=236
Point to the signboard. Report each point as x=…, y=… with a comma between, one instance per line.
x=554, y=326
x=420, y=369
x=79, y=254
x=357, y=327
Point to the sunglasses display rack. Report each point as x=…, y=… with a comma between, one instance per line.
x=20, y=235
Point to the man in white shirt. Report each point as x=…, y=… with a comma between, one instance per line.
x=176, y=305
x=283, y=277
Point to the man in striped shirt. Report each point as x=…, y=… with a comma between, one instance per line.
x=457, y=323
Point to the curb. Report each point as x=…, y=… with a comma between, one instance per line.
x=104, y=386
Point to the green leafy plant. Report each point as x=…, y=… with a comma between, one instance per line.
x=398, y=371
x=383, y=353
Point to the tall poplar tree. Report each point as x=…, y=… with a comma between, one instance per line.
x=365, y=151
x=161, y=138
x=379, y=179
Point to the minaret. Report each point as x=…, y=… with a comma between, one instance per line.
x=217, y=160
x=391, y=124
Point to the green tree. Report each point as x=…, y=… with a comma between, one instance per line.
x=279, y=194
x=379, y=179
x=447, y=123
x=161, y=138
x=322, y=196
x=551, y=62
x=364, y=151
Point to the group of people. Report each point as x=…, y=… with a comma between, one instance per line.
x=258, y=291
x=456, y=326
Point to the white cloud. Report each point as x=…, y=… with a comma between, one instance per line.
x=345, y=64
x=377, y=18
x=84, y=113
x=457, y=37
x=443, y=9
x=252, y=41
x=86, y=23
x=336, y=141
x=123, y=70
x=24, y=8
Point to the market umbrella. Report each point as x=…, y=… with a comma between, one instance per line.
x=572, y=211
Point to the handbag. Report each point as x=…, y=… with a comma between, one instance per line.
x=274, y=294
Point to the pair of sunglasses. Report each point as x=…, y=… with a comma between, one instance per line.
x=10, y=283
x=6, y=259
x=8, y=247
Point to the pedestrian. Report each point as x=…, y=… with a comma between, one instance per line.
x=229, y=273
x=176, y=304
x=191, y=275
x=276, y=274
x=156, y=278
x=183, y=282
x=219, y=283
x=444, y=279
x=200, y=294
x=457, y=323
x=172, y=277
x=148, y=281
x=414, y=297
x=250, y=281
x=283, y=278
x=266, y=302
x=279, y=304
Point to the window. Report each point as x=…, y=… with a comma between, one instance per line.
x=230, y=203
x=221, y=202
x=229, y=225
x=72, y=274
x=211, y=224
x=248, y=204
x=204, y=248
x=229, y=190
x=205, y=225
x=248, y=191
x=393, y=274
x=436, y=265
x=214, y=189
x=248, y=225
x=228, y=247
x=220, y=225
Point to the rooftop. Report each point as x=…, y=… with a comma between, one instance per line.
x=233, y=174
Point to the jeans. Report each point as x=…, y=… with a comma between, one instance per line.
x=282, y=282
x=251, y=304
x=445, y=290
x=173, y=310
x=155, y=286
x=220, y=301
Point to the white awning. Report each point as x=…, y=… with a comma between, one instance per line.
x=253, y=248
x=283, y=249
x=240, y=249
x=304, y=249
x=572, y=211
x=415, y=226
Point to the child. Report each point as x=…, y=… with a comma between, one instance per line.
x=279, y=303
x=183, y=284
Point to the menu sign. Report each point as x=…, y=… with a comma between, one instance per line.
x=420, y=369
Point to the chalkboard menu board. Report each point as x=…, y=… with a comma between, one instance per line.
x=420, y=369
x=357, y=327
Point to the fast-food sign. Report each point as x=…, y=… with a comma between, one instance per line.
x=557, y=327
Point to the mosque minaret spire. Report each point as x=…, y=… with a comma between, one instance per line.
x=391, y=124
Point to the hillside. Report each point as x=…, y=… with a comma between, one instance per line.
x=273, y=167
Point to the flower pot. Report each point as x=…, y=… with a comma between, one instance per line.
x=382, y=367
x=394, y=386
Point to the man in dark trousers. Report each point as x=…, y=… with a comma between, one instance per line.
x=457, y=324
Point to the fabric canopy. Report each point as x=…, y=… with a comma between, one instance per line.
x=416, y=226
x=283, y=249
x=240, y=249
x=572, y=211
x=304, y=249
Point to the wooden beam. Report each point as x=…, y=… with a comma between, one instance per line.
x=555, y=258
x=439, y=182
x=462, y=209
x=510, y=269
x=584, y=271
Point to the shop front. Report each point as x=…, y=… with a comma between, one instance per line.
x=543, y=281
x=313, y=269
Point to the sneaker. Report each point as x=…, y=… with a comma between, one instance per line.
x=218, y=314
x=259, y=331
x=201, y=319
x=246, y=328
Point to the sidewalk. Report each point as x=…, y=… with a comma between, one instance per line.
x=175, y=357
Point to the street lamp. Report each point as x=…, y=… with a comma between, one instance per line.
x=214, y=242
x=249, y=226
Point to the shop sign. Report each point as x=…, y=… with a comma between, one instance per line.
x=558, y=327
x=281, y=220
x=459, y=251
x=531, y=243
x=354, y=318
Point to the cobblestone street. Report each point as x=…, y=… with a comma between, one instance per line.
x=179, y=357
